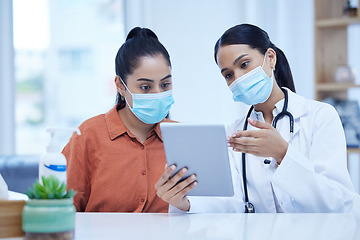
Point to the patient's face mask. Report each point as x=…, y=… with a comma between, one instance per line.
x=150, y=108
x=253, y=87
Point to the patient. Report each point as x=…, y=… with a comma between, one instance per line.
x=119, y=156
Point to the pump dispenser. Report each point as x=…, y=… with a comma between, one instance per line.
x=54, y=162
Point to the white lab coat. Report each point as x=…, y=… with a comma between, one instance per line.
x=312, y=177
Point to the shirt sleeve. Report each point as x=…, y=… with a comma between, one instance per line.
x=78, y=174
x=218, y=204
x=320, y=181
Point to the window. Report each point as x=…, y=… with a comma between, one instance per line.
x=75, y=60
x=64, y=64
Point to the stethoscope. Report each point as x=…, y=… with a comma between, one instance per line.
x=249, y=207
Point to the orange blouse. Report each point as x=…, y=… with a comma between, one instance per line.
x=111, y=170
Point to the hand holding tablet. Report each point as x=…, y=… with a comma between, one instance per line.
x=174, y=192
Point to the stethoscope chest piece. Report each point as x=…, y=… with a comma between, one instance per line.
x=249, y=208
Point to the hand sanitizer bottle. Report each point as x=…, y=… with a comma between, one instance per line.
x=53, y=162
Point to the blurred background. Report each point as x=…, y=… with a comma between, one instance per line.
x=57, y=59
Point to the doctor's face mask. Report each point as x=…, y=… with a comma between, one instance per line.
x=253, y=87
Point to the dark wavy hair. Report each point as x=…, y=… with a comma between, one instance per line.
x=258, y=39
x=140, y=42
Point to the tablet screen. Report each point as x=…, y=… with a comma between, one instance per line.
x=202, y=148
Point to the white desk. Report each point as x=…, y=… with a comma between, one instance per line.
x=215, y=226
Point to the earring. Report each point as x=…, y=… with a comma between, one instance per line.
x=122, y=98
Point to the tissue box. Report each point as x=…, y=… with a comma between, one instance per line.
x=11, y=218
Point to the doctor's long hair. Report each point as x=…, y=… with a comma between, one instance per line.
x=140, y=42
x=258, y=39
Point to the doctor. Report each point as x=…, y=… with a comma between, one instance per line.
x=288, y=153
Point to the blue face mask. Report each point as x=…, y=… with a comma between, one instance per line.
x=151, y=108
x=253, y=87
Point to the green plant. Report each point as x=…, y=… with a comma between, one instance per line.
x=50, y=189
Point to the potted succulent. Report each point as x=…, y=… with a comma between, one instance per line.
x=49, y=213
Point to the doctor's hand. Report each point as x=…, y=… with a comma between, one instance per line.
x=174, y=192
x=266, y=142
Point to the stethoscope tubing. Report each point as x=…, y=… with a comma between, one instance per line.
x=244, y=165
x=249, y=208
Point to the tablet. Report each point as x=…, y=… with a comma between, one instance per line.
x=202, y=148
